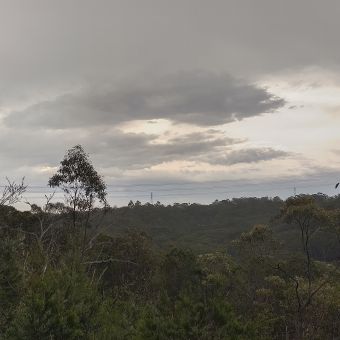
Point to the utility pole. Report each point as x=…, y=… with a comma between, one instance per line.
x=294, y=190
x=151, y=198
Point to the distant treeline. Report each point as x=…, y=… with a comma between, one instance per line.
x=204, y=228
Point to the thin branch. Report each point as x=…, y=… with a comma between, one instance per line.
x=110, y=260
x=12, y=192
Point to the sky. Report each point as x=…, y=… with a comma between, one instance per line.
x=192, y=100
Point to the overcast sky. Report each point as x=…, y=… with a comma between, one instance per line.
x=190, y=99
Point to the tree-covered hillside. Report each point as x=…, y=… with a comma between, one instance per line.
x=211, y=227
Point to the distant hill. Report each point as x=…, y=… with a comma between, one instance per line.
x=207, y=227
x=200, y=227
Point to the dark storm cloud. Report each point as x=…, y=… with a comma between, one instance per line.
x=199, y=98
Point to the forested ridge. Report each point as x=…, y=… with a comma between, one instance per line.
x=249, y=268
x=204, y=228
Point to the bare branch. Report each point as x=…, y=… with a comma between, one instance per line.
x=110, y=260
x=12, y=192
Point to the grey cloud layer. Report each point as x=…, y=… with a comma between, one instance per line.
x=82, y=39
x=198, y=98
x=50, y=47
x=251, y=155
x=113, y=148
x=53, y=47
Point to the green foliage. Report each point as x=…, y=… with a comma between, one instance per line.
x=178, y=271
x=11, y=278
x=190, y=319
x=202, y=228
x=126, y=263
x=60, y=305
x=79, y=180
x=304, y=212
